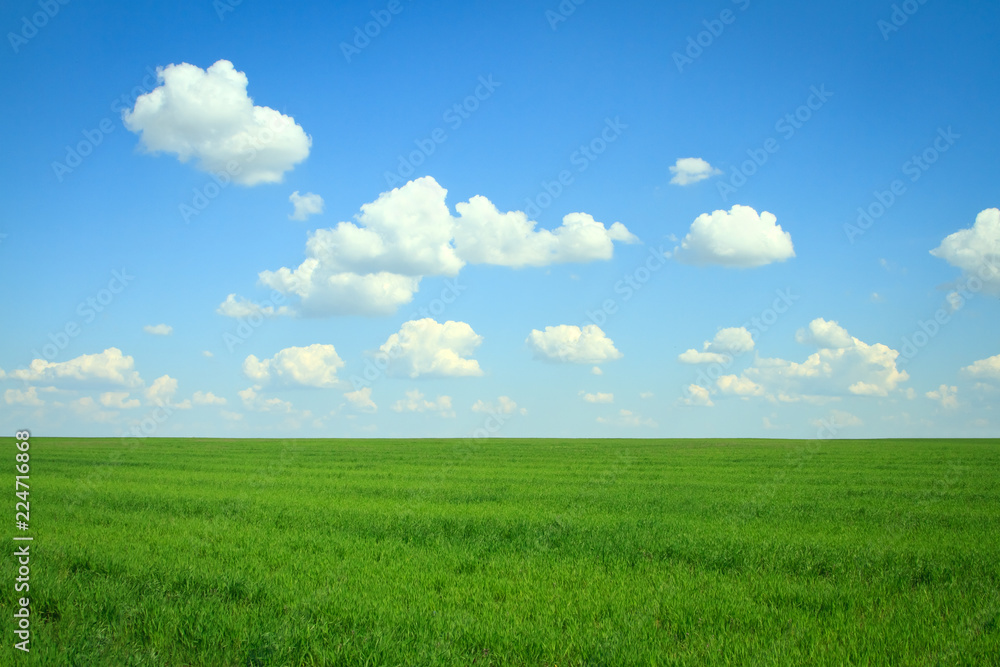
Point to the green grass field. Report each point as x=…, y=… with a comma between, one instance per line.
x=512, y=552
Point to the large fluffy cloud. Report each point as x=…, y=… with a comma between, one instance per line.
x=738, y=238
x=206, y=115
x=976, y=251
x=427, y=347
x=373, y=265
x=109, y=367
x=570, y=344
x=688, y=170
x=311, y=366
x=985, y=368
x=726, y=344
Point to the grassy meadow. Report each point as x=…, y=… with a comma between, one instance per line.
x=512, y=552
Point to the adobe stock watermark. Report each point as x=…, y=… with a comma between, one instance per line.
x=786, y=126
x=581, y=158
x=926, y=330
x=48, y=9
x=204, y=195
x=696, y=44
x=92, y=138
x=363, y=35
x=86, y=311
x=913, y=168
x=900, y=15
x=562, y=12
x=454, y=116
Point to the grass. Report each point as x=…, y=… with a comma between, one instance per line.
x=512, y=552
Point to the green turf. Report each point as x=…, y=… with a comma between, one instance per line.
x=512, y=552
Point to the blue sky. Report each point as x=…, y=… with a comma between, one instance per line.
x=594, y=219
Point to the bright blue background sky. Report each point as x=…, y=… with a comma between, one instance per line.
x=606, y=60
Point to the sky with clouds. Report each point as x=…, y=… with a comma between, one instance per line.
x=561, y=219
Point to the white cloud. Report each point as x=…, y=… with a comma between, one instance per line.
x=976, y=251
x=986, y=368
x=598, y=397
x=842, y=365
x=416, y=402
x=107, y=367
x=569, y=343
x=158, y=329
x=207, y=115
x=162, y=390
x=253, y=401
x=238, y=307
x=737, y=239
x=697, y=396
x=305, y=205
x=311, y=366
x=646, y=394
x=28, y=397
x=207, y=353
x=945, y=395
x=627, y=418
x=484, y=235
x=230, y=416
x=720, y=350
x=738, y=386
x=373, y=265
x=503, y=406
x=688, y=170
x=427, y=347
x=361, y=400
x=119, y=400
x=825, y=334
x=207, y=398
x=596, y=370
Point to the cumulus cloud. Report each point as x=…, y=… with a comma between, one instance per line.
x=569, y=343
x=107, y=367
x=158, y=329
x=27, y=397
x=428, y=348
x=976, y=251
x=945, y=395
x=738, y=386
x=727, y=344
x=311, y=366
x=503, y=406
x=305, y=205
x=207, y=398
x=361, y=400
x=416, y=402
x=842, y=365
x=688, y=170
x=985, y=368
x=87, y=408
x=162, y=390
x=206, y=115
x=598, y=397
x=697, y=396
x=738, y=238
x=374, y=264
x=118, y=400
